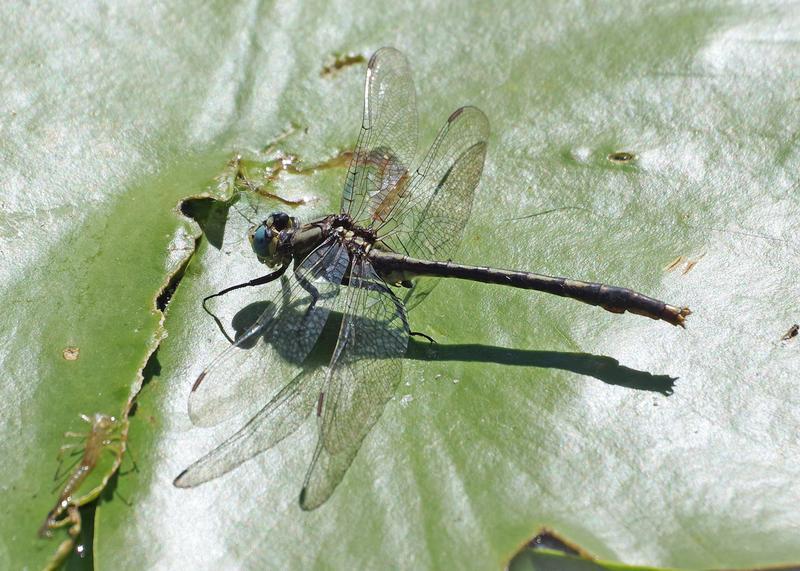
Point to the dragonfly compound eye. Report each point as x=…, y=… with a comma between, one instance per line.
x=264, y=241
x=279, y=221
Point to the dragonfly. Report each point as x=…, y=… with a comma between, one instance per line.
x=395, y=225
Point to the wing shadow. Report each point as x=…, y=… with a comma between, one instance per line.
x=288, y=409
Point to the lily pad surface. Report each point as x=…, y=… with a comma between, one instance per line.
x=646, y=145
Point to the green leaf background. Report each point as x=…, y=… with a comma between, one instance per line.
x=111, y=113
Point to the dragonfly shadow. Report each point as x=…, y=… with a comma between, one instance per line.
x=601, y=367
x=318, y=357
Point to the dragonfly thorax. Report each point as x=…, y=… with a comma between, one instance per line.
x=358, y=239
x=357, y=243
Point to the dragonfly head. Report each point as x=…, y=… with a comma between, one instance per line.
x=267, y=237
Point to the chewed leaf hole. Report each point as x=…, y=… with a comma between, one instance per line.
x=621, y=157
x=547, y=539
x=71, y=353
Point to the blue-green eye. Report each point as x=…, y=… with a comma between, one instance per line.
x=260, y=240
x=266, y=238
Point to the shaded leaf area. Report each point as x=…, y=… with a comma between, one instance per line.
x=117, y=112
x=549, y=552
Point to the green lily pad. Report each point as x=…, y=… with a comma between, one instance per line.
x=549, y=552
x=644, y=443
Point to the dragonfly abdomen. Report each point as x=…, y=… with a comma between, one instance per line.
x=395, y=268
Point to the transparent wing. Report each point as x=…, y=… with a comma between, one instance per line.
x=429, y=221
x=278, y=419
x=387, y=142
x=291, y=324
x=364, y=371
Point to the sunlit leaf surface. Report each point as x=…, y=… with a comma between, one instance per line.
x=531, y=410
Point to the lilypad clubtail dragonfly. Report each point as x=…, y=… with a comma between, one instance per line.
x=394, y=225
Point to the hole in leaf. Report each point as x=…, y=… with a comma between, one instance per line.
x=621, y=157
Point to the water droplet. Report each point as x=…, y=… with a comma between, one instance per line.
x=456, y=381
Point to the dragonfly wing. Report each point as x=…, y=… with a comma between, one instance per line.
x=364, y=371
x=429, y=222
x=291, y=324
x=278, y=419
x=387, y=142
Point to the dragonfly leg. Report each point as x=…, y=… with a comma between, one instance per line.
x=382, y=288
x=312, y=291
x=270, y=277
x=419, y=334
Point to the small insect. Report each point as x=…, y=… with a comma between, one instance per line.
x=105, y=434
x=793, y=331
